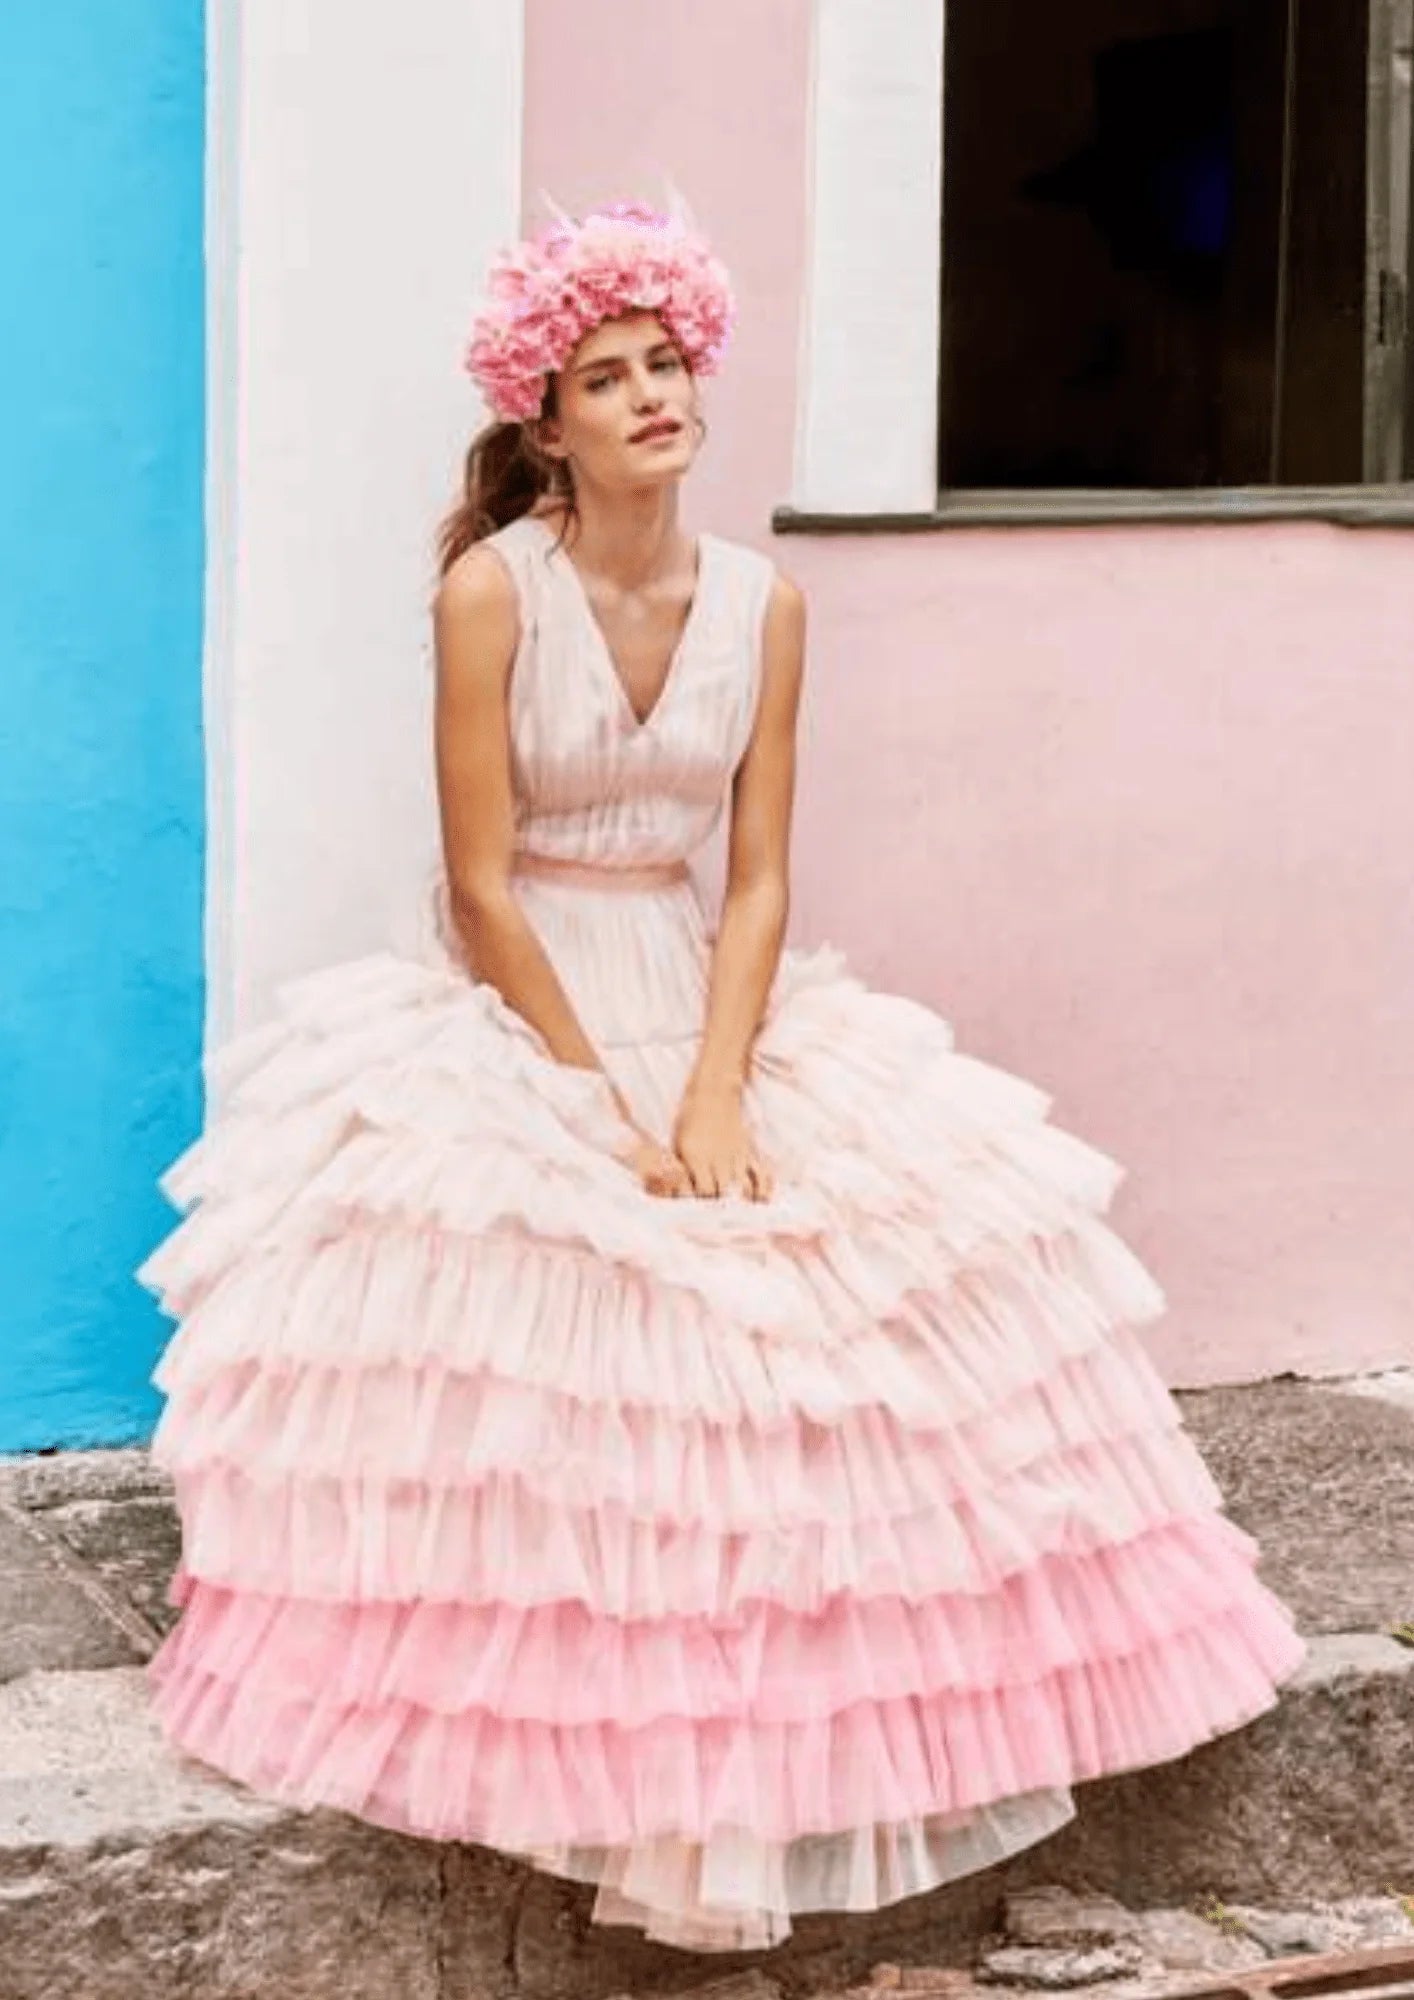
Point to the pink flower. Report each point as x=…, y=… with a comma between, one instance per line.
x=545, y=294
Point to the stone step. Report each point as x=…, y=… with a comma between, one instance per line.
x=126, y=1871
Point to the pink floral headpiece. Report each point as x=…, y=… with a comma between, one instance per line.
x=545, y=293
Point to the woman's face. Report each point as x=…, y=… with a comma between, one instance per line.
x=626, y=406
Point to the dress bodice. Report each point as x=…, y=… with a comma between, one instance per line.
x=608, y=808
x=593, y=782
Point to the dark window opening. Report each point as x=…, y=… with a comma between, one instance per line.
x=1175, y=243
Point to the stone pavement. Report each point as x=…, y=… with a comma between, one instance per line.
x=129, y=1874
x=1090, y=1947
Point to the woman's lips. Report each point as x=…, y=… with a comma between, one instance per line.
x=657, y=434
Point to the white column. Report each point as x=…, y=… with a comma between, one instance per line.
x=222, y=224
x=866, y=431
x=365, y=163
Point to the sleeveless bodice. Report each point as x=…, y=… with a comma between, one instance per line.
x=608, y=808
x=592, y=782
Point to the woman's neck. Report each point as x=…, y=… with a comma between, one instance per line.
x=628, y=542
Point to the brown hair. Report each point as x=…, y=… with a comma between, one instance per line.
x=504, y=474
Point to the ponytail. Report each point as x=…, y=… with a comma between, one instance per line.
x=503, y=476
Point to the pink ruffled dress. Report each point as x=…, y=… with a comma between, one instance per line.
x=742, y=1559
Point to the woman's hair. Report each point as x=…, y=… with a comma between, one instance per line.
x=504, y=474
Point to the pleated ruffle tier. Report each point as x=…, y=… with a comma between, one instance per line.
x=740, y=1558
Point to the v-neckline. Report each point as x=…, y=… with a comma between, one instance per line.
x=638, y=724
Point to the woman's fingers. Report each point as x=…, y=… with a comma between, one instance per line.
x=659, y=1170
x=745, y=1174
x=666, y=1174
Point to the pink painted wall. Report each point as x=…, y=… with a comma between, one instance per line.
x=1131, y=807
x=622, y=93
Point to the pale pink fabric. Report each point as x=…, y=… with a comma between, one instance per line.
x=742, y=1559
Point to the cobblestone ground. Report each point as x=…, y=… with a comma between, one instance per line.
x=1056, y=1940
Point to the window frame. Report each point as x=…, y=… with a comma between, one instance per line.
x=866, y=438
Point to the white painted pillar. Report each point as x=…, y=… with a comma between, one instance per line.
x=365, y=164
x=867, y=415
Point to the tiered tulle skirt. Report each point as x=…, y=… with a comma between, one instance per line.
x=743, y=1559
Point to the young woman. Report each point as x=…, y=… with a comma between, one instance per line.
x=645, y=1401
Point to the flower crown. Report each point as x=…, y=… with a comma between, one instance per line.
x=545, y=293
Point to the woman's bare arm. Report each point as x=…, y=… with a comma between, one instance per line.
x=475, y=627
x=756, y=901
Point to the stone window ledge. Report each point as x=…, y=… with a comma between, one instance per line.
x=1348, y=506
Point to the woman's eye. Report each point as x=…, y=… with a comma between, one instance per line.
x=668, y=361
x=599, y=382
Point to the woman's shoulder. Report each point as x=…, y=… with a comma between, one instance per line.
x=483, y=591
x=498, y=564
x=759, y=571
x=477, y=579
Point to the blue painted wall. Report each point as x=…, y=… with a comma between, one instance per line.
x=101, y=808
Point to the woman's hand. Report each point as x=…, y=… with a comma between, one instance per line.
x=711, y=1139
x=658, y=1168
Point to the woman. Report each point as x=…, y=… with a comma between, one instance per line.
x=644, y=1401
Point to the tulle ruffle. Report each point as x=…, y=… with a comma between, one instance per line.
x=568, y=1324
x=352, y=1540
x=565, y=1662
x=477, y=1774
x=425, y=1425
x=737, y=1892
x=432, y=1108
